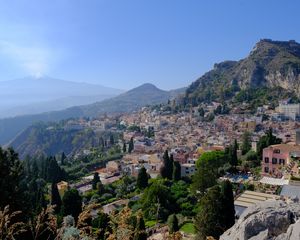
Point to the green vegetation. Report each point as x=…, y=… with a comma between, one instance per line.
x=188, y=228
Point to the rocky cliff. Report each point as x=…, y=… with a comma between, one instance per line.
x=270, y=220
x=271, y=65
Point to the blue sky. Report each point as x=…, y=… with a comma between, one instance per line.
x=125, y=43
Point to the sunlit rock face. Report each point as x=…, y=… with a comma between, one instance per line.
x=269, y=220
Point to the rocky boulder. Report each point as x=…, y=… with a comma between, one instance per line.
x=269, y=220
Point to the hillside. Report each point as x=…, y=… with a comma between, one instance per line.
x=134, y=99
x=52, y=139
x=36, y=95
x=272, y=67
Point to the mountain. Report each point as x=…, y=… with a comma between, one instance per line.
x=270, y=72
x=35, y=95
x=146, y=94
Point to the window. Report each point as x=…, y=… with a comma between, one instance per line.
x=274, y=160
x=281, y=161
x=266, y=169
x=266, y=160
x=276, y=151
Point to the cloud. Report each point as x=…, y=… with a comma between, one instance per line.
x=34, y=60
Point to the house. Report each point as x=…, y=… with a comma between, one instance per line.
x=187, y=169
x=280, y=159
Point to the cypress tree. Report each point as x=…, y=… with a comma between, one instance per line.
x=166, y=170
x=131, y=145
x=96, y=179
x=142, y=179
x=176, y=171
x=228, y=211
x=55, y=197
x=124, y=148
x=63, y=158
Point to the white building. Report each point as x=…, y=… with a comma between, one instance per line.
x=187, y=169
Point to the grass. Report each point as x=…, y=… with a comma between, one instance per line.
x=150, y=223
x=188, y=228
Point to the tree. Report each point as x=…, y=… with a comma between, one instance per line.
x=13, y=189
x=201, y=112
x=166, y=170
x=71, y=203
x=176, y=171
x=142, y=179
x=246, y=143
x=207, y=170
x=63, y=158
x=233, y=159
x=111, y=140
x=100, y=188
x=131, y=145
x=265, y=141
x=124, y=147
x=207, y=221
x=173, y=223
x=54, y=172
x=140, y=230
x=228, y=211
x=55, y=197
x=216, y=211
x=157, y=202
x=96, y=179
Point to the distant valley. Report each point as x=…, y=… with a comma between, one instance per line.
x=146, y=94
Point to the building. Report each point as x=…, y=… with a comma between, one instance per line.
x=62, y=187
x=279, y=159
x=187, y=169
x=289, y=111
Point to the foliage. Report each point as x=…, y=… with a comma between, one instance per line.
x=207, y=170
x=246, y=142
x=142, y=179
x=216, y=212
x=265, y=141
x=71, y=203
x=173, y=223
x=166, y=170
x=176, y=175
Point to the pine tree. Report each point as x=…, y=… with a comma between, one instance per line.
x=176, y=171
x=124, y=147
x=55, y=197
x=142, y=179
x=173, y=223
x=96, y=179
x=131, y=146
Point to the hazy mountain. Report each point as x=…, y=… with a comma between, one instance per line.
x=134, y=99
x=35, y=95
x=270, y=72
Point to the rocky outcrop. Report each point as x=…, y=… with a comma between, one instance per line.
x=269, y=220
x=271, y=65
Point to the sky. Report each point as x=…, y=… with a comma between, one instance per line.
x=125, y=43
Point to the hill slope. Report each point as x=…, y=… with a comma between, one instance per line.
x=134, y=99
x=272, y=66
x=35, y=95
